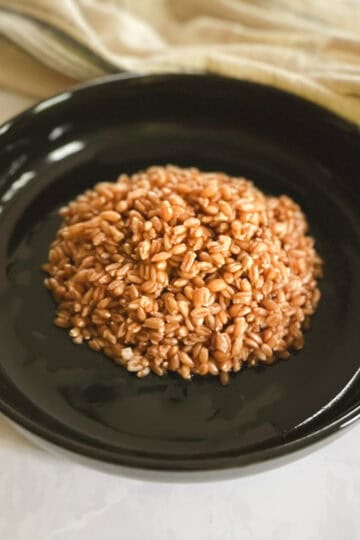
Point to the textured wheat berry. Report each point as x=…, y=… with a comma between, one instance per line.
x=178, y=270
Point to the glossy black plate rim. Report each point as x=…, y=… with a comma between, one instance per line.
x=150, y=461
x=147, y=460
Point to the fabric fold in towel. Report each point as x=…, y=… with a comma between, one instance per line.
x=308, y=47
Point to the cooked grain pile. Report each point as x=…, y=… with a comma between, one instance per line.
x=178, y=270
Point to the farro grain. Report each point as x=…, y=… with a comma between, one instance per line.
x=178, y=270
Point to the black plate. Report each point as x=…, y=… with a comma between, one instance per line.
x=78, y=399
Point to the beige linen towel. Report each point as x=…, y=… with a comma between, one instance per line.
x=308, y=47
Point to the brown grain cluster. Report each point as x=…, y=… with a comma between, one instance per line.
x=178, y=270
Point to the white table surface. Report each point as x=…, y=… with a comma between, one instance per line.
x=44, y=497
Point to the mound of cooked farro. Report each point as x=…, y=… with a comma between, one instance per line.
x=179, y=270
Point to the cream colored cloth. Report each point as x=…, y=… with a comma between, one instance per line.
x=308, y=47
